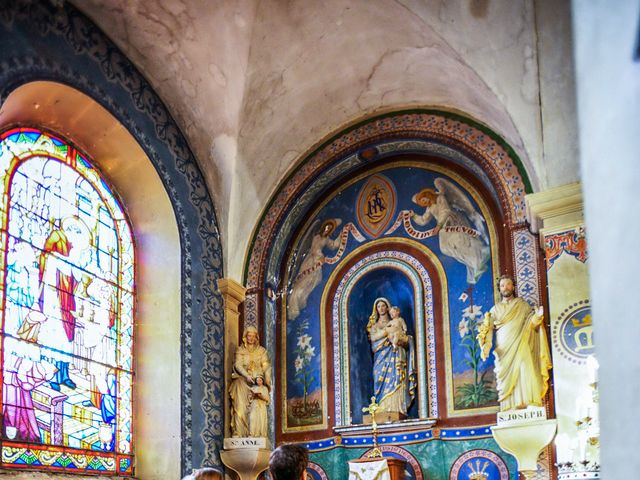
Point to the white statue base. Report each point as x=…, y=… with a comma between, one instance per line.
x=523, y=434
x=247, y=456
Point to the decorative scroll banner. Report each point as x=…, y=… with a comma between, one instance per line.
x=404, y=218
x=344, y=236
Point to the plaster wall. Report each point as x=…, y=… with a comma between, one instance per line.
x=194, y=53
x=349, y=61
x=256, y=85
x=608, y=88
x=559, y=163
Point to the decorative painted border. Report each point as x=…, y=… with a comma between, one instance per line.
x=458, y=433
x=16, y=456
x=317, y=469
x=487, y=150
x=423, y=291
x=573, y=242
x=526, y=266
x=473, y=454
x=544, y=464
x=446, y=434
x=413, y=437
x=65, y=46
x=411, y=460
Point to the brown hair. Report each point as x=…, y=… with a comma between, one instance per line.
x=207, y=474
x=425, y=197
x=505, y=277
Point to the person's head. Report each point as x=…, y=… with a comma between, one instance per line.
x=381, y=307
x=425, y=198
x=288, y=462
x=259, y=381
x=204, y=474
x=77, y=232
x=507, y=286
x=207, y=474
x=394, y=312
x=251, y=336
x=327, y=227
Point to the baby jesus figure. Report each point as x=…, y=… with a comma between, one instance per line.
x=396, y=329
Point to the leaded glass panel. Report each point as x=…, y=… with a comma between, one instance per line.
x=67, y=311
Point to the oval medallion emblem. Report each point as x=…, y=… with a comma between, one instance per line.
x=376, y=205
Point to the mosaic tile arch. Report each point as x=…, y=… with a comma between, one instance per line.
x=422, y=131
x=54, y=41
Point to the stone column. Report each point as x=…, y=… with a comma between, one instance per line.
x=558, y=216
x=233, y=294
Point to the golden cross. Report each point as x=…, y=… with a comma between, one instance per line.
x=372, y=409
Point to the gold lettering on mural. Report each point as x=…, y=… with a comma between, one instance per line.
x=376, y=204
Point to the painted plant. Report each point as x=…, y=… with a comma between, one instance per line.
x=307, y=407
x=480, y=390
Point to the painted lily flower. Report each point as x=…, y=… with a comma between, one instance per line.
x=463, y=327
x=298, y=364
x=472, y=311
x=304, y=341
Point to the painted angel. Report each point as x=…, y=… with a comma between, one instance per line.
x=461, y=229
x=307, y=265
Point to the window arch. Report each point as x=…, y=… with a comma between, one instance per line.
x=67, y=311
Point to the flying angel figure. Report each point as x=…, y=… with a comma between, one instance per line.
x=461, y=229
x=306, y=270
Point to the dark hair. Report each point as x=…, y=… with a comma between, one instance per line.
x=288, y=462
x=207, y=473
x=505, y=277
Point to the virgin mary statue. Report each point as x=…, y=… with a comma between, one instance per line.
x=394, y=376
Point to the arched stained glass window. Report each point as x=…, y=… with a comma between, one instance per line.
x=67, y=311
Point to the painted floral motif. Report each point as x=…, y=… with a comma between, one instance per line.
x=479, y=391
x=304, y=353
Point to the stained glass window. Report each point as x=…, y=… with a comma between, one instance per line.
x=67, y=282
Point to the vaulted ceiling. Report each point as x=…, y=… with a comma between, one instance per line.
x=255, y=85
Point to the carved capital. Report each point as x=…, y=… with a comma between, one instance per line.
x=556, y=209
x=233, y=294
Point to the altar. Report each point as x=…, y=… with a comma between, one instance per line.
x=377, y=469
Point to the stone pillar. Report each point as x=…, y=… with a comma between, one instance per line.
x=233, y=294
x=558, y=215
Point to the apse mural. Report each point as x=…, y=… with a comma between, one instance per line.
x=415, y=206
x=67, y=332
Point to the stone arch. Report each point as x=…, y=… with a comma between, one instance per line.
x=441, y=140
x=425, y=131
x=45, y=42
